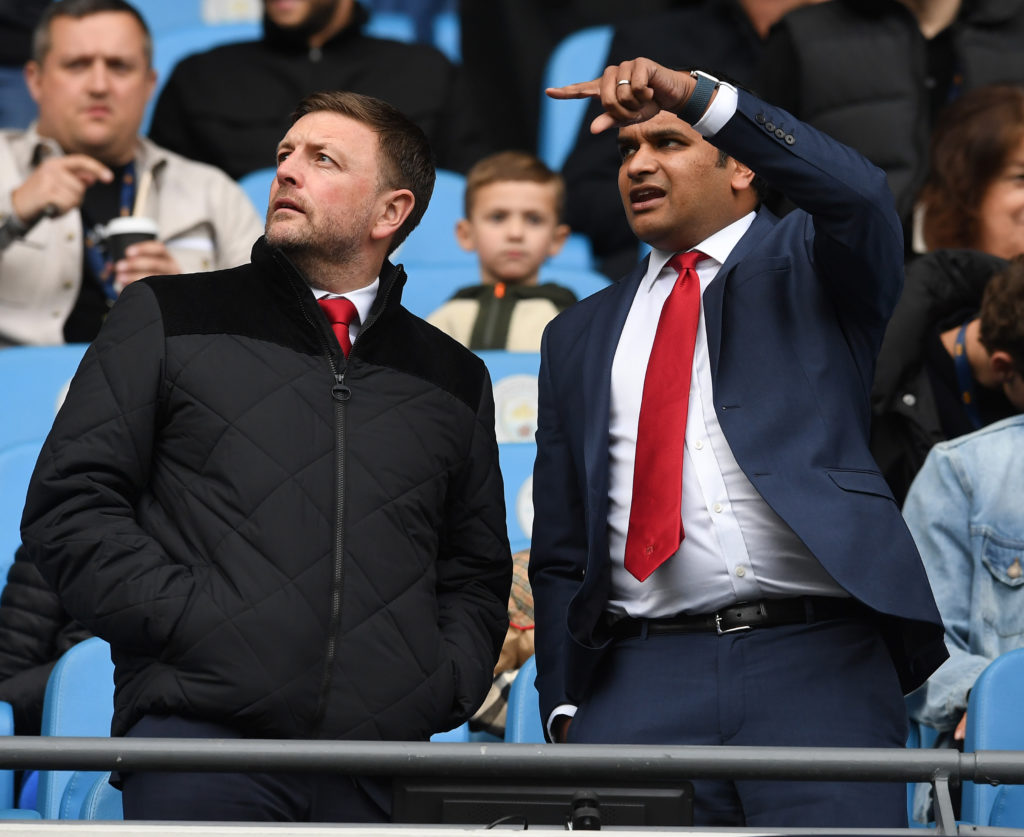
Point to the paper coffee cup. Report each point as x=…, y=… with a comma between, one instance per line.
x=125, y=231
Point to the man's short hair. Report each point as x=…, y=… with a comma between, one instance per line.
x=406, y=161
x=41, y=41
x=1002, y=313
x=514, y=166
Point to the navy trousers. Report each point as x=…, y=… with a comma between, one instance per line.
x=257, y=797
x=829, y=683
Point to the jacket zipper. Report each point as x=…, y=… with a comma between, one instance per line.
x=340, y=393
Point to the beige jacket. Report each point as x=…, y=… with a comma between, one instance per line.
x=205, y=219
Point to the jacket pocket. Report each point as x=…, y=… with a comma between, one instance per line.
x=1003, y=584
x=863, y=482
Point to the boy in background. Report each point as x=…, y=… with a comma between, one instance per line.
x=513, y=207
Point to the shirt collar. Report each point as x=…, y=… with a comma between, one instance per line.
x=361, y=298
x=716, y=246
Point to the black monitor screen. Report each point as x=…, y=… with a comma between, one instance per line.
x=468, y=802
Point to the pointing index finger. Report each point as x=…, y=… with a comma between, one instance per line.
x=580, y=90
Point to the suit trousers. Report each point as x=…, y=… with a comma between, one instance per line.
x=256, y=797
x=830, y=683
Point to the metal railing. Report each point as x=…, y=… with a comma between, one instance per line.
x=576, y=763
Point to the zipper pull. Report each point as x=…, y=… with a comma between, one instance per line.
x=340, y=391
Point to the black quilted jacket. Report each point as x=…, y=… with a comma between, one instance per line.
x=270, y=536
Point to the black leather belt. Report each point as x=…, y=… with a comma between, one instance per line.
x=742, y=616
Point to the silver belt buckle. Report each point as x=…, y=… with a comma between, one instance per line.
x=720, y=631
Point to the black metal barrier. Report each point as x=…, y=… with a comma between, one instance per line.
x=566, y=762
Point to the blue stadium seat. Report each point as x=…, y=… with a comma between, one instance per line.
x=447, y=31
x=429, y=286
x=516, y=462
x=514, y=380
x=393, y=25
x=170, y=46
x=1008, y=807
x=580, y=56
x=34, y=380
x=457, y=735
x=994, y=722
x=16, y=465
x=580, y=280
x=523, y=724
x=79, y=701
x=257, y=186
x=102, y=800
x=433, y=242
x=6, y=776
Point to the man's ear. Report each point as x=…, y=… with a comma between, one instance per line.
x=32, y=73
x=395, y=207
x=742, y=175
x=1002, y=365
x=464, y=235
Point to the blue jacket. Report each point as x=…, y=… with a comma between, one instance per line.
x=964, y=510
x=794, y=321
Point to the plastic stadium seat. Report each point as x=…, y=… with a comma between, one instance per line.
x=257, y=186
x=459, y=734
x=1008, y=807
x=516, y=462
x=514, y=380
x=428, y=287
x=580, y=56
x=580, y=281
x=994, y=722
x=35, y=380
x=79, y=701
x=170, y=46
x=394, y=26
x=433, y=243
x=447, y=31
x=523, y=723
x=102, y=800
x=16, y=465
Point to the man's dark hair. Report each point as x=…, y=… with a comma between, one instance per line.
x=41, y=41
x=406, y=161
x=1002, y=313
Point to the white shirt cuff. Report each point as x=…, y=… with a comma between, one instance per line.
x=720, y=111
x=566, y=709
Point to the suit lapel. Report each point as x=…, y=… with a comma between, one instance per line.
x=714, y=295
x=602, y=340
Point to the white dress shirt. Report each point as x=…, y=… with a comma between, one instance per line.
x=736, y=548
x=361, y=298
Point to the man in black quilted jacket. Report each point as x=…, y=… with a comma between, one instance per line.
x=281, y=536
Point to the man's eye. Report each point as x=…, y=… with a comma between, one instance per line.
x=625, y=151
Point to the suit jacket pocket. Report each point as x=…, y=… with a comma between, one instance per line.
x=863, y=482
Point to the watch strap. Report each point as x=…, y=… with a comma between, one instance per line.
x=699, y=99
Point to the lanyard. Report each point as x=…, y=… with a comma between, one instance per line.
x=95, y=251
x=964, y=378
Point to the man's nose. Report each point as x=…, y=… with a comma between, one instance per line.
x=640, y=162
x=288, y=171
x=98, y=78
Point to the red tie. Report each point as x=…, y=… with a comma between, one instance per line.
x=655, y=514
x=340, y=312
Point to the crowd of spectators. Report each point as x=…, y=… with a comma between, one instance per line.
x=930, y=92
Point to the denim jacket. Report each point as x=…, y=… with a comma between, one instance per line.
x=965, y=512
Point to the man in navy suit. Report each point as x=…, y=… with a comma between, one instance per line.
x=790, y=606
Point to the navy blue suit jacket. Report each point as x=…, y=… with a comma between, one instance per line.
x=794, y=321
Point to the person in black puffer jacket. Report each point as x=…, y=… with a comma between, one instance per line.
x=278, y=535
x=34, y=631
